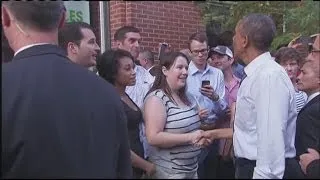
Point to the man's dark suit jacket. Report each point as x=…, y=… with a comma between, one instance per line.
x=308, y=127
x=152, y=71
x=60, y=120
x=307, y=130
x=313, y=169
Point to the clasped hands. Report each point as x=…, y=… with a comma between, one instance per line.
x=201, y=138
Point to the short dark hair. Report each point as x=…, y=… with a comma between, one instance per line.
x=71, y=32
x=148, y=54
x=108, y=63
x=198, y=36
x=285, y=53
x=40, y=15
x=260, y=30
x=160, y=82
x=120, y=34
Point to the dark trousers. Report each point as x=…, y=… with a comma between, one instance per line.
x=207, y=169
x=244, y=169
x=225, y=169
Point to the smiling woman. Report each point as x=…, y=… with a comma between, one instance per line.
x=117, y=67
x=172, y=121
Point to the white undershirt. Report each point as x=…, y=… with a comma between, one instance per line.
x=28, y=46
x=312, y=96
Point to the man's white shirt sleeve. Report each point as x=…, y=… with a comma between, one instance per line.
x=272, y=111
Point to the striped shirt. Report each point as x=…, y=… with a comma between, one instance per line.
x=301, y=99
x=182, y=158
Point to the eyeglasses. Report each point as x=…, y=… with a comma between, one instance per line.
x=311, y=49
x=202, y=51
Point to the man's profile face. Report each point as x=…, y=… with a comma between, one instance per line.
x=238, y=43
x=309, y=78
x=131, y=43
x=88, y=49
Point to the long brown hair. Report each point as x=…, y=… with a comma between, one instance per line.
x=160, y=82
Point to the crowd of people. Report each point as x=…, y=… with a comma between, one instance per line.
x=236, y=111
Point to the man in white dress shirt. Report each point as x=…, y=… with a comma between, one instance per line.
x=128, y=38
x=265, y=119
x=146, y=60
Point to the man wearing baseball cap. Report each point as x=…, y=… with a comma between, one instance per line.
x=223, y=50
x=222, y=58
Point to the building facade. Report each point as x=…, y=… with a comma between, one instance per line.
x=159, y=21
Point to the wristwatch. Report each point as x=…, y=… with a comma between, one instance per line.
x=215, y=97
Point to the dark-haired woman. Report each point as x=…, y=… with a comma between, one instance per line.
x=116, y=66
x=172, y=121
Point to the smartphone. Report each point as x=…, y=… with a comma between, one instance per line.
x=162, y=50
x=205, y=82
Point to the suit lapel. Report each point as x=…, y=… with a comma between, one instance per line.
x=314, y=100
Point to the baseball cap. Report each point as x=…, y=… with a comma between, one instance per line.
x=222, y=50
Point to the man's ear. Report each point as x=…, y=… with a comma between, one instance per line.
x=245, y=41
x=72, y=47
x=145, y=60
x=118, y=43
x=5, y=17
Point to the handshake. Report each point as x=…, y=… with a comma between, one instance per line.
x=200, y=138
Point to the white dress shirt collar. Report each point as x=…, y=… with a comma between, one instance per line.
x=254, y=64
x=28, y=46
x=312, y=96
x=193, y=69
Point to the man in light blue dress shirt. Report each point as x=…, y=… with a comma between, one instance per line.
x=210, y=98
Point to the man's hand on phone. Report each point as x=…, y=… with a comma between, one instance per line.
x=207, y=90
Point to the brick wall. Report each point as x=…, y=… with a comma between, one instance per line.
x=163, y=21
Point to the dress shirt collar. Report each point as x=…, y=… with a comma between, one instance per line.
x=28, y=46
x=258, y=61
x=232, y=83
x=312, y=96
x=150, y=68
x=193, y=69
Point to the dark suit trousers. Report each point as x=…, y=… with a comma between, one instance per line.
x=244, y=169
